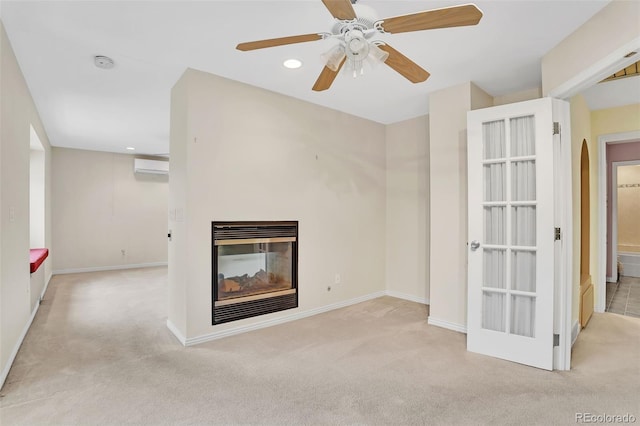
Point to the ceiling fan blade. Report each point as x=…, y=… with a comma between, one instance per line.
x=272, y=42
x=340, y=9
x=403, y=65
x=326, y=77
x=456, y=16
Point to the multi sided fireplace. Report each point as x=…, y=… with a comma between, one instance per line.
x=254, y=269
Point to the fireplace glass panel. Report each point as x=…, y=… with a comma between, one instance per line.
x=253, y=269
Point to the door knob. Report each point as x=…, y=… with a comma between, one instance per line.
x=475, y=245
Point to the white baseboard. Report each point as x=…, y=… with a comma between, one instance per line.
x=16, y=348
x=408, y=297
x=611, y=280
x=108, y=268
x=171, y=326
x=268, y=323
x=46, y=286
x=12, y=357
x=575, y=330
x=447, y=324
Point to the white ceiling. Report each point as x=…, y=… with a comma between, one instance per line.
x=613, y=93
x=153, y=42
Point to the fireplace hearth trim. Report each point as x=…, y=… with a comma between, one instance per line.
x=254, y=297
x=254, y=241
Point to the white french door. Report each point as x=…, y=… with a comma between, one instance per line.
x=511, y=271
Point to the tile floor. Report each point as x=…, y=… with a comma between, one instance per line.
x=623, y=297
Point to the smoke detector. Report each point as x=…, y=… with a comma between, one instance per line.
x=103, y=62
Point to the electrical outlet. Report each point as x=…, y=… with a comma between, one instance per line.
x=124, y=252
x=337, y=279
x=328, y=288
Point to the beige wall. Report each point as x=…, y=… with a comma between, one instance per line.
x=251, y=154
x=448, y=201
x=628, y=208
x=523, y=95
x=615, y=120
x=407, y=225
x=100, y=207
x=17, y=114
x=614, y=27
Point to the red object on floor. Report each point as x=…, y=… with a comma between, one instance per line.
x=36, y=257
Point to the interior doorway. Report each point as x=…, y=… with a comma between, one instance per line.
x=612, y=148
x=623, y=296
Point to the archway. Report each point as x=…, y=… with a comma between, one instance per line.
x=586, y=286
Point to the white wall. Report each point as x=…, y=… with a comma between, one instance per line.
x=37, y=187
x=100, y=208
x=17, y=115
x=448, y=201
x=244, y=153
x=407, y=225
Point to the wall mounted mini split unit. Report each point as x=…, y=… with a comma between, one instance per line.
x=154, y=167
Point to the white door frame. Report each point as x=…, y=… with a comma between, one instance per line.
x=601, y=281
x=563, y=300
x=589, y=76
x=614, y=206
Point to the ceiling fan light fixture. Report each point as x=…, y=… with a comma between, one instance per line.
x=334, y=57
x=377, y=55
x=357, y=50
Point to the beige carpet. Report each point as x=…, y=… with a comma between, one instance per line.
x=99, y=353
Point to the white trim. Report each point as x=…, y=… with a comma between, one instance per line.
x=614, y=212
x=591, y=75
x=563, y=217
x=446, y=324
x=46, y=286
x=575, y=330
x=16, y=348
x=409, y=297
x=603, y=140
x=108, y=268
x=275, y=321
x=171, y=326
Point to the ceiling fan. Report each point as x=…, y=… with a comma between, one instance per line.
x=354, y=34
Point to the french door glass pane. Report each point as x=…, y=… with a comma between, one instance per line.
x=523, y=181
x=523, y=315
x=523, y=136
x=493, y=311
x=523, y=270
x=523, y=226
x=494, y=268
x=494, y=182
x=493, y=140
x=494, y=225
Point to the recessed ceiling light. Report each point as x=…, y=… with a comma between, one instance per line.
x=130, y=148
x=103, y=62
x=292, y=63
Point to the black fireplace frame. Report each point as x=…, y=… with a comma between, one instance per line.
x=225, y=230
